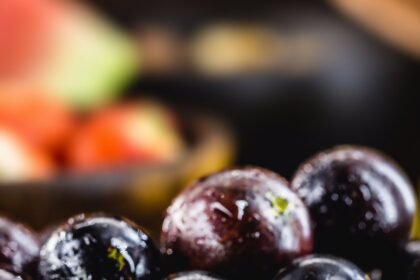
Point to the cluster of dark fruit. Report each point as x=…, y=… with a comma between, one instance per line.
x=346, y=215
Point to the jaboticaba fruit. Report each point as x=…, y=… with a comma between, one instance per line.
x=240, y=223
x=361, y=203
x=99, y=247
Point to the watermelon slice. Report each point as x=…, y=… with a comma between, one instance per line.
x=64, y=48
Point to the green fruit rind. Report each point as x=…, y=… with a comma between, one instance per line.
x=92, y=63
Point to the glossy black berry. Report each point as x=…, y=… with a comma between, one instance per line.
x=99, y=247
x=361, y=203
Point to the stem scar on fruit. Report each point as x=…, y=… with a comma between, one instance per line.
x=114, y=254
x=278, y=203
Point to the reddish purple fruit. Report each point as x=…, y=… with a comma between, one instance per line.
x=241, y=223
x=361, y=203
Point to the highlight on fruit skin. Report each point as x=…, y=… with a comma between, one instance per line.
x=193, y=275
x=238, y=223
x=321, y=267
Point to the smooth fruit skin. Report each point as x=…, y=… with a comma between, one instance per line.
x=404, y=264
x=19, y=247
x=240, y=223
x=361, y=203
x=193, y=275
x=6, y=275
x=319, y=267
x=99, y=247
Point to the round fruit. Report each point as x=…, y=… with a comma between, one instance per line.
x=243, y=223
x=99, y=247
x=320, y=268
x=19, y=247
x=193, y=275
x=361, y=203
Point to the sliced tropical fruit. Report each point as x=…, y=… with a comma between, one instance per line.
x=134, y=133
x=65, y=48
x=43, y=121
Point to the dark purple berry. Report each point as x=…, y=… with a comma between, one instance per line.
x=240, y=223
x=361, y=203
x=99, y=247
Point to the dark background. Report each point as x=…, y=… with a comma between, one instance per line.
x=364, y=92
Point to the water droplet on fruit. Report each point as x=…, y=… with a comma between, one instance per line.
x=365, y=192
x=362, y=226
x=323, y=209
x=348, y=201
x=369, y=215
